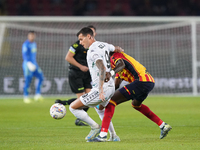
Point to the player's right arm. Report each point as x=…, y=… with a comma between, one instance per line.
x=102, y=74
x=70, y=58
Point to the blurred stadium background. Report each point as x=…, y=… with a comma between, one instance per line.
x=166, y=46
x=100, y=7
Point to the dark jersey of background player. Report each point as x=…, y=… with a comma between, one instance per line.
x=79, y=76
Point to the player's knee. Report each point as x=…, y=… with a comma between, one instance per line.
x=112, y=102
x=136, y=104
x=71, y=109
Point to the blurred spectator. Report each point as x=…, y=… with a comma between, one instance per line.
x=117, y=10
x=25, y=9
x=91, y=5
x=79, y=7
x=2, y=8
x=110, y=7
x=56, y=1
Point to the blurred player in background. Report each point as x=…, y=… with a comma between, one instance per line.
x=141, y=83
x=79, y=75
x=31, y=68
x=101, y=92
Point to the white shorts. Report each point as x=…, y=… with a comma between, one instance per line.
x=91, y=99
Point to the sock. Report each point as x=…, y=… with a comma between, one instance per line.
x=148, y=113
x=162, y=125
x=111, y=127
x=82, y=115
x=108, y=114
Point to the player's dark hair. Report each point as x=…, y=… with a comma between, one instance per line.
x=85, y=31
x=91, y=26
x=31, y=31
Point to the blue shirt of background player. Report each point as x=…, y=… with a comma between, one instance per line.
x=29, y=52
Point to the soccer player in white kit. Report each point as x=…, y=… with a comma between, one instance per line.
x=101, y=92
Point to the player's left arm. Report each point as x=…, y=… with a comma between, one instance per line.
x=102, y=74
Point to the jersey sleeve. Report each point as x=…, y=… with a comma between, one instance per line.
x=73, y=48
x=25, y=52
x=111, y=47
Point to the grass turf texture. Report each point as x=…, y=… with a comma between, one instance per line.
x=30, y=126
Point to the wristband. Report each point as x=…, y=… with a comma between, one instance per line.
x=112, y=72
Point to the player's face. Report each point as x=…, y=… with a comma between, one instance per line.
x=31, y=37
x=84, y=40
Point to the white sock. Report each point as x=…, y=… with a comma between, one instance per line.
x=111, y=127
x=81, y=114
x=162, y=125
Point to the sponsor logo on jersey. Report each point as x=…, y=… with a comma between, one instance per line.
x=75, y=45
x=33, y=50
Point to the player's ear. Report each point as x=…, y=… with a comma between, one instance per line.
x=89, y=36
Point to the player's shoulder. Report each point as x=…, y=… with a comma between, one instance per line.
x=118, y=55
x=76, y=45
x=26, y=42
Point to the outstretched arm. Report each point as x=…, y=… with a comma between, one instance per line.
x=102, y=74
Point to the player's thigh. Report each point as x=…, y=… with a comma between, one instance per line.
x=91, y=99
x=77, y=104
x=28, y=75
x=118, y=97
x=76, y=82
x=38, y=73
x=26, y=72
x=137, y=90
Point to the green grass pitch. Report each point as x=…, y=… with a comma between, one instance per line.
x=30, y=126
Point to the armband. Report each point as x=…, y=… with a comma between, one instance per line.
x=112, y=72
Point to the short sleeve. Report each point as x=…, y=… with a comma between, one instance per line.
x=111, y=47
x=73, y=48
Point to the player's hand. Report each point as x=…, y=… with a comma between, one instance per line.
x=118, y=49
x=107, y=78
x=101, y=95
x=31, y=66
x=84, y=68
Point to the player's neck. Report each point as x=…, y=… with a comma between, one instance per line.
x=92, y=41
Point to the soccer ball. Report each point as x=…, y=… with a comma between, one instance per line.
x=57, y=111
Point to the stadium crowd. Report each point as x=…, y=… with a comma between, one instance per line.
x=100, y=7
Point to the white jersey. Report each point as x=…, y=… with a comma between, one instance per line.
x=99, y=50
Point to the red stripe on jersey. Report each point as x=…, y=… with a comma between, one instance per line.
x=152, y=79
x=147, y=77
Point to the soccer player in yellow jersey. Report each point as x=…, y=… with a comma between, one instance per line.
x=140, y=84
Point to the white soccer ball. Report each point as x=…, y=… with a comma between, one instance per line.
x=57, y=111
